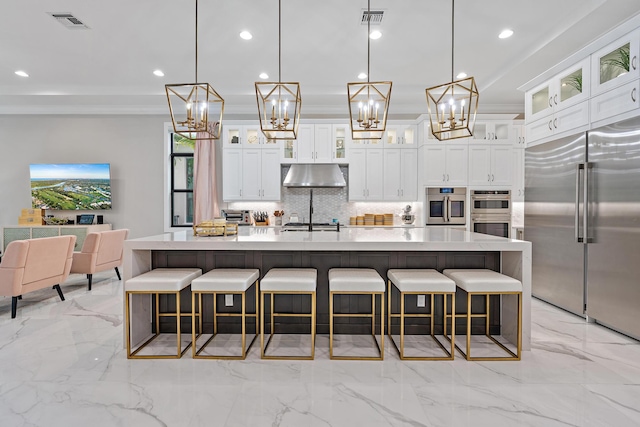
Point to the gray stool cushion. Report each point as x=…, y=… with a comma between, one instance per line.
x=290, y=280
x=480, y=280
x=226, y=280
x=163, y=279
x=355, y=280
x=420, y=280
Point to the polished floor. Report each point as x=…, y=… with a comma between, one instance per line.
x=63, y=364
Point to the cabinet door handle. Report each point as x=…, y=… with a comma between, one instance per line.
x=240, y=192
x=633, y=94
x=447, y=177
x=402, y=193
x=634, y=62
x=443, y=179
x=492, y=178
x=550, y=104
x=488, y=177
x=550, y=123
x=555, y=99
x=555, y=123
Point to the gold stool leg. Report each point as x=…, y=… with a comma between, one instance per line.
x=262, y=306
x=313, y=325
x=468, y=355
x=244, y=326
x=178, y=336
x=193, y=324
x=453, y=322
x=402, y=297
x=382, y=326
x=330, y=324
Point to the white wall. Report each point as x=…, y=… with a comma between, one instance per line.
x=132, y=144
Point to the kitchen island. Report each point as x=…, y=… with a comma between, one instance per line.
x=379, y=248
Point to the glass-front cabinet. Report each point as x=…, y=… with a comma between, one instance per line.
x=401, y=136
x=493, y=131
x=616, y=64
x=562, y=91
x=341, y=135
x=246, y=136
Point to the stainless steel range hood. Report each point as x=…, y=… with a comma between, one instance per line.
x=314, y=176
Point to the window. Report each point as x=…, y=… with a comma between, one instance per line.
x=181, y=188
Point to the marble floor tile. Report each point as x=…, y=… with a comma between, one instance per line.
x=62, y=363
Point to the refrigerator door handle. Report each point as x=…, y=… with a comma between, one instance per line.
x=585, y=211
x=576, y=226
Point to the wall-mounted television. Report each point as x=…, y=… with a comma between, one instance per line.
x=71, y=186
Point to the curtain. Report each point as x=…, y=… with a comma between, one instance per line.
x=205, y=195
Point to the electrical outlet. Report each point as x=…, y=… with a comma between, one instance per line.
x=228, y=300
x=422, y=300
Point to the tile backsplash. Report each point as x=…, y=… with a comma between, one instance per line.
x=328, y=203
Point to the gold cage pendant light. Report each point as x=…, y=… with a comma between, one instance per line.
x=279, y=103
x=368, y=102
x=452, y=106
x=196, y=108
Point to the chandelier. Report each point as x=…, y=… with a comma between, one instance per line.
x=196, y=108
x=452, y=106
x=279, y=103
x=368, y=102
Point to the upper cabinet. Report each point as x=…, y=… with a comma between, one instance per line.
x=319, y=143
x=616, y=64
x=493, y=131
x=246, y=136
x=404, y=136
x=561, y=91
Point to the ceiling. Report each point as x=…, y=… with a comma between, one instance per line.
x=108, y=67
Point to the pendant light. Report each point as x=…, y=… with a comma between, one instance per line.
x=368, y=102
x=279, y=103
x=196, y=108
x=452, y=106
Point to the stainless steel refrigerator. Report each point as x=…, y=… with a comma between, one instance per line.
x=582, y=215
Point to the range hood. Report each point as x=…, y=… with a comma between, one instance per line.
x=314, y=175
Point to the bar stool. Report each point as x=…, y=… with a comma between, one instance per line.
x=482, y=282
x=357, y=281
x=169, y=281
x=288, y=281
x=423, y=282
x=232, y=281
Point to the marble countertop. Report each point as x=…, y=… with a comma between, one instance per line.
x=348, y=239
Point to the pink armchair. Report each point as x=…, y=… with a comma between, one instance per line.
x=101, y=251
x=29, y=265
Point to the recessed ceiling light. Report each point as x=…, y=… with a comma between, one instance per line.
x=158, y=73
x=246, y=35
x=505, y=34
x=264, y=76
x=375, y=35
x=461, y=76
x=22, y=73
x=362, y=76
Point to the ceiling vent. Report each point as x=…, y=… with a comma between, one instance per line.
x=69, y=21
x=375, y=16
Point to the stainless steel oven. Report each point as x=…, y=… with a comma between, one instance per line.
x=491, y=202
x=446, y=206
x=491, y=212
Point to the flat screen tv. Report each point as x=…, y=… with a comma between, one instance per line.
x=71, y=186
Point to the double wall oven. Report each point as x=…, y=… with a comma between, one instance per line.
x=491, y=212
x=446, y=206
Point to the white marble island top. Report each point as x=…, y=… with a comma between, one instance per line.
x=347, y=239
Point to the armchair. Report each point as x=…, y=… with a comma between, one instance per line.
x=29, y=265
x=101, y=251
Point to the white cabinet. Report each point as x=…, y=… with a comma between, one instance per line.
x=232, y=174
x=568, y=119
x=444, y=164
x=320, y=143
x=251, y=174
x=365, y=174
x=620, y=100
x=400, y=174
x=616, y=64
x=562, y=91
x=246, y=136
x=401, y=136
x=518, y=132
x=490, y=165
x=517, y=175
x=493, y=131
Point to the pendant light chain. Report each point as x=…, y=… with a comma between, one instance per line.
x=368, y=39
x=279, y=41
x=196, y=42
x=453, y=5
